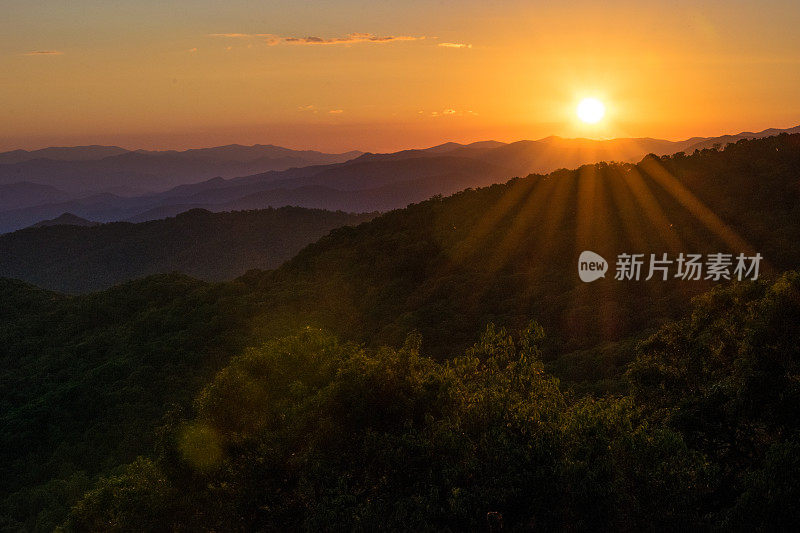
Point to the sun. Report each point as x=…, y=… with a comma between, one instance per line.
x=590, y=110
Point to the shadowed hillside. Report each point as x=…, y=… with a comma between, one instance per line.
x=508, y=253
x=310, y=430
x=211, y=246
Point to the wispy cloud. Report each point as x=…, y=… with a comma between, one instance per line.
x=351, y=38
x=455, y=45
x=44, y=53
x=192, y=50
x=336, y=111
x=449, y=112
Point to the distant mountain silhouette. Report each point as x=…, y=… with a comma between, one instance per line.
x=67, y=219
x=711, y=142
x=347, y=186
x=368, y=182
x=61, y=255
x=65, y=153
x=25, y=194
x=87, y=170
x=104, y=207
x=238, y=152
x=388, y=181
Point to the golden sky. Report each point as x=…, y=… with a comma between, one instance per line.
x=385, y=75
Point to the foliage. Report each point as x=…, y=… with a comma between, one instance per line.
x=306, y=431
x=317, y=434
x=85, y=380
x=507, y=253
x=727, y=378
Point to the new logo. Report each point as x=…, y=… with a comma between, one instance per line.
x=591, y=266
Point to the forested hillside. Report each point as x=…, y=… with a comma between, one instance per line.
x=209, y=246
x=562, y=420
x=306, y=432
x=85, y=380
x=508, y=253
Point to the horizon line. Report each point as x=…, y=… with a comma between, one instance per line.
x=309, y=149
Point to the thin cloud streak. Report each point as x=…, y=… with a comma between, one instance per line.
x=44, y=53
x=455, y=45
x=351, y=38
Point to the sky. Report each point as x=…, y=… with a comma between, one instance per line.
x=385, y=75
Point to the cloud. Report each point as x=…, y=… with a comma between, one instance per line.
x=192, y=50
x=449, y=112
x=44, y=53
x=351, y=38
x=455, y=45
x=311, y=108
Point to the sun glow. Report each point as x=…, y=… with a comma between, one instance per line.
x=590, y=110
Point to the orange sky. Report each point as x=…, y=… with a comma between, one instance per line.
x=387, y=75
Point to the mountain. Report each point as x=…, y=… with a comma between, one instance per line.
x=508, y=252
x=360, y=186
x=243, y=154
x=67, y=219
x=197, y=178
x=142, y=171
x=449, y=148
x=101, y=207
x=548, y=154
x=302, y=428
x=388, y=181
x=67, y=153
x=61, y=255
x=24, y=194
x=355, y=182
x=724, y=140
x=367, y=183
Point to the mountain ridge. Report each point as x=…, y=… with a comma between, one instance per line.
x=66, y=219
x=65, y=255
x=352, y=183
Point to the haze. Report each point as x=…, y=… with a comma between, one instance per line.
x=382, y=76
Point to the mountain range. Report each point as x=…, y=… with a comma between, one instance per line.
x=96, y=169
x=146, y=185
